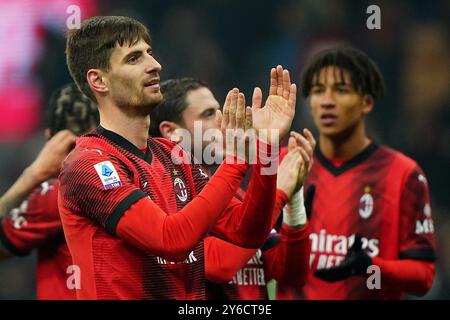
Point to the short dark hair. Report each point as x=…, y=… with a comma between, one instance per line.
x=364, y=73
x=70, y=109
x=91, y=45
x=174, y=102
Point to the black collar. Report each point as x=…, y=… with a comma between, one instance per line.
x=124, y=143
x=360, y=157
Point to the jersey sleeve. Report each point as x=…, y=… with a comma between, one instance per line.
x=98, y=186
x=286, y=256
x=224, y=259
x=247, y=223
x=416, y=234
x=33, y=223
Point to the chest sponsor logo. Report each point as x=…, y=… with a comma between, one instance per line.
x=366, y=204
x=180, y=189
x=329, y=250
x=108, y=175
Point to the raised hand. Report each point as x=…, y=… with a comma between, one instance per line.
x=279, y=109
x=49, y=160
x=307, y=146
x=297, y=163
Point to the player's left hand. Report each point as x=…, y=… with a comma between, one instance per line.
x=307, y=145
x=279, y=109
x=355, y=263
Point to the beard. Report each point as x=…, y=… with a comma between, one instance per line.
x=134, y=101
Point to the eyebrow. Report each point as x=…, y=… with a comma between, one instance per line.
x=135, y=52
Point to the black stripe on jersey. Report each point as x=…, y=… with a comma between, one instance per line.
x=270, y=243
x=124, y=143
x=419, y=254
x=8, y=245
x=114, y=217
x=360, y=157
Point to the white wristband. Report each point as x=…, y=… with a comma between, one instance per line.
x=294, y=213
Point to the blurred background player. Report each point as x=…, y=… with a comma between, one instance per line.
x=29, y=210
x=234, y=272
x=370, y=203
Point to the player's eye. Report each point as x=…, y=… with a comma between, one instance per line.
x=209, y=113
x=342, y=89
x=133, y=59
x=317, y=90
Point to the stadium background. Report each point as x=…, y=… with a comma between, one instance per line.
x=231, y=43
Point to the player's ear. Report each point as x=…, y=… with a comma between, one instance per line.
x=96, y=81
x=368, y=103
x=167, y=130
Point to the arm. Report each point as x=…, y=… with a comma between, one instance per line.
x=237, y=224
x=413, y=276
x=294, y=233
x=46, y=165
x=173, y=236
x=219, y=269
x=34, y=223
x=288, y=262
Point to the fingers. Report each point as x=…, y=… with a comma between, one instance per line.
x=310, y=138
x=280, y=80
x=240, y=111
x=248, y=118
x=257, y=98
x=303, y=142
x=226, y=111
x=286, y=85
x=273, y=82
x=218, y=119
x=292, y=144
x=63, y=140
x=292, y=96
x=233, y=108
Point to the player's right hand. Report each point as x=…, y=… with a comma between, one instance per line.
x=48, y=162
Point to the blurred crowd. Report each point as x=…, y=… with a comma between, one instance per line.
x=230, y=43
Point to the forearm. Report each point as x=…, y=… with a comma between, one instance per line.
x=223, y=259
x=248, y=224
x=281, y=200
x=289, y=260
x=411, y=276
x=174, y=236
x=19, y=191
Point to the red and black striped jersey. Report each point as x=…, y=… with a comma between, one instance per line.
x=36, y=224
x=381, y=195
x=101, y=179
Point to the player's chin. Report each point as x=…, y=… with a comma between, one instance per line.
x=154, y=98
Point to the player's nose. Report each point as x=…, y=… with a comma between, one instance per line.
x=152, y=65
x=327, y=100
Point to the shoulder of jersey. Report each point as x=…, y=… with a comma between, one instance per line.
x=163, y=142
x=91, y=147
x=399, y=159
